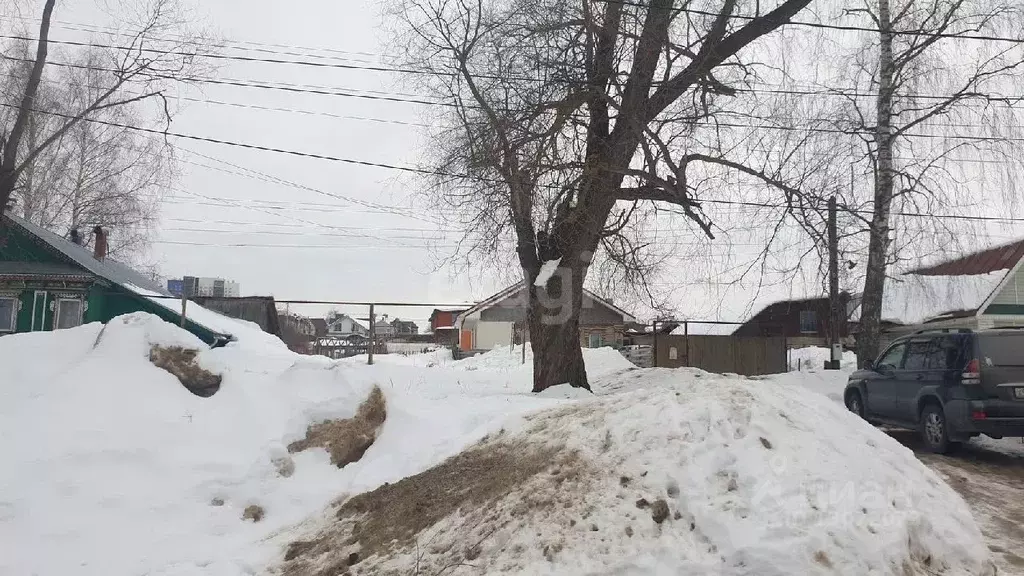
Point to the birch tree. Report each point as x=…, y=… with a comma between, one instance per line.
x=135, y=66
x=99, y=172
x=944, y=104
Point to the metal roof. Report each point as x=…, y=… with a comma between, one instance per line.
x=1002, y=257
x=41, y=269
x=107, y=268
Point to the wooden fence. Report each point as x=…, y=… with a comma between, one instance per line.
x=749, y=356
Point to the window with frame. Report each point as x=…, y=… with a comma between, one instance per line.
x=8, y=313
x=918, y=355
x=596, y=341
x=808, y=322
x=69, y=313
x=945, y=354
x=893, y=357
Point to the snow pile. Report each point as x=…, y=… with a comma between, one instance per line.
x=599, y=361
x=249, y=333
x=111, y=462
x=688, y=473
x=814, y=358
x=111, y=468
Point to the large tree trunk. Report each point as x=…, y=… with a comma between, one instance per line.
x=554, y=323
x=878, y=245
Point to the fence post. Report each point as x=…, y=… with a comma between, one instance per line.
x=686, y=342
x=184, y=301
x=654, y=346
x=373, y=336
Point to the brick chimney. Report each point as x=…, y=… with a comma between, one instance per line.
x=99, y=248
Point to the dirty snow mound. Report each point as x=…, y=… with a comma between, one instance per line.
x=687, y=476
x=111, y=467
x=346, y=440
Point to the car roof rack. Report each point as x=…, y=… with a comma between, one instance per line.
x=946, y=330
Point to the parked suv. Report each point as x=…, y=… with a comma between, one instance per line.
x=951, y=385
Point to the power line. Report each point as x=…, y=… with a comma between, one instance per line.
x=848, y=28
x=262, y=176
x=429, y=172
x=399, y=70
x=231, y=44
x=317, y=246
x=214, y=56
x=286, y=225
x=405, y=98
x=270, y=85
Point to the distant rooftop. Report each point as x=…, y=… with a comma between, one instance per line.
x=989, y=260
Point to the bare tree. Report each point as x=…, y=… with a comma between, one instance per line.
x=99, y=172
x=941, y=104
x=105, y=86
x=568, y=116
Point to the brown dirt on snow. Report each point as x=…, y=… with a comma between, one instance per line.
x=474, y=484
x=347, y=440
x=181, y=362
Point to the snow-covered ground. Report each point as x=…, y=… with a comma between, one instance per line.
x=110, y=467
x=814, y=357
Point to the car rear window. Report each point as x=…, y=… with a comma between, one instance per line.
x=1002, y=349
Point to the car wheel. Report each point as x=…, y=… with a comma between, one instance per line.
x=934, y=431
x=854, y=403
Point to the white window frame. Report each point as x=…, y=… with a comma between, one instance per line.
x=15, y=305
x=57, y=309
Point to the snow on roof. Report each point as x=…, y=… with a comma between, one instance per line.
x=913, y=298
x=1002, y=257
x=239, y=330
x=518, y=286
x=703, y=329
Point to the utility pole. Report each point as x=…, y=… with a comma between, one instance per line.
x=834, y=305
x=373, y=335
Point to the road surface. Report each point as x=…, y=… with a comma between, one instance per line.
x=990, y=477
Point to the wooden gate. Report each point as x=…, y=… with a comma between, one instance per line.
x=749, y=356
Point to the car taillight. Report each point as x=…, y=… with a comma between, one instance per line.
x=972, y=373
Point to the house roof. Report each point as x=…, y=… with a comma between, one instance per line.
x=108, y=268
x=135, y=282
x=356, y=324
x=40, y=269
x=985, y=261
x=918, y=298
x=513, y=289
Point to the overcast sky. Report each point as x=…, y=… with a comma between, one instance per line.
x=340, y=231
